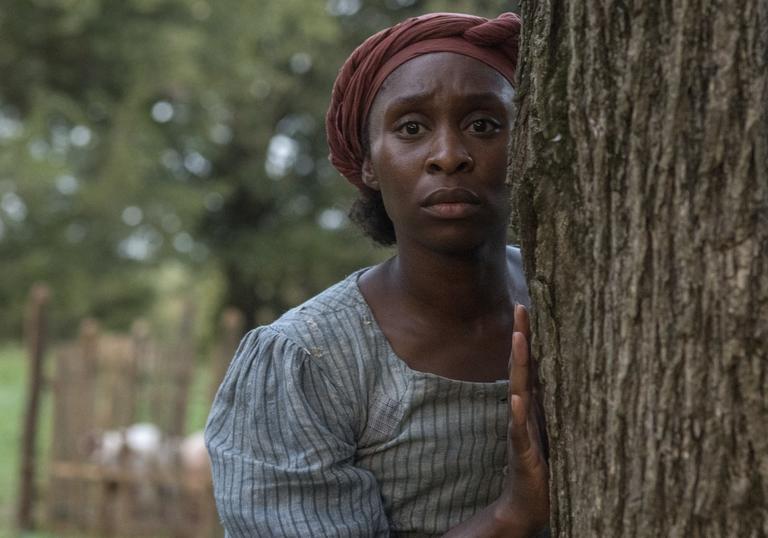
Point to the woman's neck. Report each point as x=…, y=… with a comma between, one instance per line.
x=458, y=286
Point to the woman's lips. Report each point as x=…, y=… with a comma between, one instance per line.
x=455, y=203
x=452, y=210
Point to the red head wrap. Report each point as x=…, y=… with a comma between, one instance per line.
x=493, y=42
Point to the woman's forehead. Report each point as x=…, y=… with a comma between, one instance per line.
x=437, y=72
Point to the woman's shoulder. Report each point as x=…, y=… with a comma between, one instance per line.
x=330, y=338
x=332, y=329
x=335, y=310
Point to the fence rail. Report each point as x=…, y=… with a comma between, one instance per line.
x=120, y=464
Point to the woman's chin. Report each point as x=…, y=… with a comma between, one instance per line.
x=456, y=241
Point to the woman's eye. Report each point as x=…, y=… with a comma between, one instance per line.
x=483, y=126
x=410, y=128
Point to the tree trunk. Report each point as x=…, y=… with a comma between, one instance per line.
x=640, y=179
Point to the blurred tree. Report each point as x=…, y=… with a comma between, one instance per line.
x=84, y=202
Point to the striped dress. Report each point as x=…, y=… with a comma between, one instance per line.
x=319, y=429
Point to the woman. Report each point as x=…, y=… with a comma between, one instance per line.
x=386, y=405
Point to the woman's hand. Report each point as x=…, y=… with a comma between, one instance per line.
x=525, y=498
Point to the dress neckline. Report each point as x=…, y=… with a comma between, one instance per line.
x=370, y=319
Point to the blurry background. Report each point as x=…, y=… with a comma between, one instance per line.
x=164, y=161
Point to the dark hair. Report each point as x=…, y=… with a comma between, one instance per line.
x=369, y=213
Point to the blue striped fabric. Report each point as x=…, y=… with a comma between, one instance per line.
x=319, y=429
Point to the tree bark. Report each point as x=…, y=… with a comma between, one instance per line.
x=640, y=181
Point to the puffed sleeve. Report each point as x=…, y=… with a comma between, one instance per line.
x=281, y=439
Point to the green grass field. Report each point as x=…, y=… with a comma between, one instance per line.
x=13, y=387
x=11, y=398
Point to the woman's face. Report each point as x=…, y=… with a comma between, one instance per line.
x=439, y=130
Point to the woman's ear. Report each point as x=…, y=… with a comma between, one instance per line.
x=368, y=177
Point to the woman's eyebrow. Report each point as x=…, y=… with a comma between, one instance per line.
x=416, y=99
x=409, y=100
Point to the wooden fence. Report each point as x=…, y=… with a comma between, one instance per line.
x=120, y=464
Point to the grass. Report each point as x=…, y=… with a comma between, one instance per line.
x=11, y=405
x=13, y=388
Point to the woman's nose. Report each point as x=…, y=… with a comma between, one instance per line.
x=449, y=154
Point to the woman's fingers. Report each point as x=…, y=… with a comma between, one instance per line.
x=523, y=426
x=518, y=426
x=519, y=394
x=519, y=368
x=522, y=323
x=527, y=486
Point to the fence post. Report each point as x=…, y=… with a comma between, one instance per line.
x=143, y=360
x=232, y=325
x=36, y=341
x=181, y=372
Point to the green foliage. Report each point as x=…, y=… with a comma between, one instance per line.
x=137, y=131
x=78, y=146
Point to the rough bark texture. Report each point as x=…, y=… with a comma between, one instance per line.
x=640, y=176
